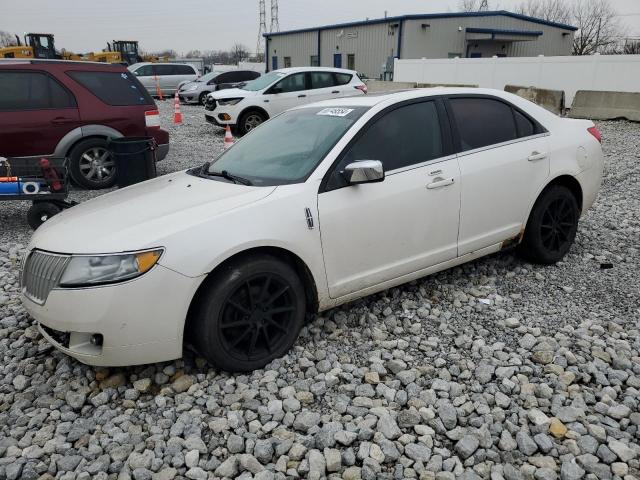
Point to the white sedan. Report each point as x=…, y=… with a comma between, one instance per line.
x=321, y=205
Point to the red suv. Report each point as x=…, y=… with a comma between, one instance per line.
x=57, y=108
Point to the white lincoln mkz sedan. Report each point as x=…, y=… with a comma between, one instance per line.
x=319, y=206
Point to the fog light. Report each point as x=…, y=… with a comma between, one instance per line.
x=224, y=116
x=96, y=339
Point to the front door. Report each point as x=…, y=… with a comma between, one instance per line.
x=35, y=113
x=289, y=92
x=376, y=232
x=274, y=63
x=337, y=60
x=503, y=164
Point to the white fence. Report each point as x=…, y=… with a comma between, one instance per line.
x=616, y=73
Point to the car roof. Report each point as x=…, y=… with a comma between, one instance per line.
x=314, y=69
x=160, y=63
x=64, y=63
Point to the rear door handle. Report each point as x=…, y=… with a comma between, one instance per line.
x=61, y=120
x=301, y=96
x=336, y=91
x=536, y=156
x=440, y=182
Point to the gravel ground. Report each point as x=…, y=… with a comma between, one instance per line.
x=496, y=369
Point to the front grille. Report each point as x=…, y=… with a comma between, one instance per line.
x=41, y=273
x=62, y=338
x=210, y=104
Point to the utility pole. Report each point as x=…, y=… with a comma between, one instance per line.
x=484, y=6
x=263, y=27
x=275, y=24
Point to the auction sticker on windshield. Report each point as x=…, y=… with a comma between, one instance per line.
x=335, y=112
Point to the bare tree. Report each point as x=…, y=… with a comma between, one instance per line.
x=598, y=26
x=239, y=52
x=632, y=47
x=551, y=10
x=6, y=39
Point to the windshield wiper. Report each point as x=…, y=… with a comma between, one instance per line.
x=228, y=176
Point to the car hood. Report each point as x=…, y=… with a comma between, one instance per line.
x=233, y=93
x=143, y=215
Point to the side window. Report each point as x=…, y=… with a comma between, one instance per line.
x=248, y=75
x=163, y=70
x=482, y=122
x=322, y=80
x=526, y=128
x=144, y=71
x=405, y=136
x=183, y=70
x=113, y=88
x=32, y=91
x=293, y=83
x=342, y=78
x=226, y=77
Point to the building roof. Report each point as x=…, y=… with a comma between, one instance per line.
x=426, y=16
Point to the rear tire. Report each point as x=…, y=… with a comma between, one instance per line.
x=552, y=226
x=40, y=212
x=249, y=313
x=91, y=165
x=250, y=120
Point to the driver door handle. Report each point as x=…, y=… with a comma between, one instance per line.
x=536, y=156
x=62, y=120
x=301, y=96
x=440, y=182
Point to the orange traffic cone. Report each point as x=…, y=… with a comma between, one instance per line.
x=158, y=90
x=177, y=116
x=228, y=138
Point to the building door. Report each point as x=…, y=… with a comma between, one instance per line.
x=475, y=55
x=274, y=63
x=337, y=60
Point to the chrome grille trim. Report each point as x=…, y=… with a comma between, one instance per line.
x=41, y=274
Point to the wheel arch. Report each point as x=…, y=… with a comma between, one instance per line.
x=252, y=108
x=304, y=272
x=70, y=140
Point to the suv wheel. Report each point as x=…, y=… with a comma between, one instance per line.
x=202, y=99
x=552, y=226
x=250, y=313
x=91, y=165
x=250, y=120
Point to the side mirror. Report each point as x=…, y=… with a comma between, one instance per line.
x=276, y=90
x=364, y=171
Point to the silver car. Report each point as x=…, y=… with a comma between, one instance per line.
x=166, y=75
x=197, y=91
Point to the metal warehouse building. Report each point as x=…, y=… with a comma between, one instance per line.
x=370, y=46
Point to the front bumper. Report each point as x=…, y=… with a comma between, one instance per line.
x=214, y=119
x=141, y=321
x=189, y=97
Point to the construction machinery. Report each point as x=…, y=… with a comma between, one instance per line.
x=36, y=45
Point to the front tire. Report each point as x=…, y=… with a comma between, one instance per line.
x=91, y=165
x=203, y=98
x=249, y=313
x=250, y=120
x=40, y=212
x=552, y=226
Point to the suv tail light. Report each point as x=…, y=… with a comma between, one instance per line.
x=596, y=133
x=152, y=118
x=363, y=88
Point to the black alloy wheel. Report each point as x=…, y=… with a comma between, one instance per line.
x=248, y=313
x=202, y=99
x=552, y=226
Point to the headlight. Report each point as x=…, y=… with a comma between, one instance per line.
x=189, y=88
x=103, y=269
x=229, y=101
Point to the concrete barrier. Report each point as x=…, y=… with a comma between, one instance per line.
x=552, y=100
x=380, y=86
x=597, y=105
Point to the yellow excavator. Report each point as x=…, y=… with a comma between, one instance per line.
x=36, y=45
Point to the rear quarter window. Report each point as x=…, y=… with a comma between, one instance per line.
x=183, y=70
x=113, y=88
x=342, y=78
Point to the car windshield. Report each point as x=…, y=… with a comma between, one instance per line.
x=263, y=81
x=208, y=76
x=287, y=148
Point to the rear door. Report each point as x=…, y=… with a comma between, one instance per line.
x=323, y=87
x=166, y=77
x=504, y=162
x=289, y=92
x=146, y=76
x=344, y=85
x=36, y=111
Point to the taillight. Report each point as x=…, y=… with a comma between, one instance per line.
x=596, y=133
x=152, y=118
x=363, y=88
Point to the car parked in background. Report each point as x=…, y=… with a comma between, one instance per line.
x=323, y=204
x=57, y=108
x=167, y=75
x=197, y=90
x=247, y=107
